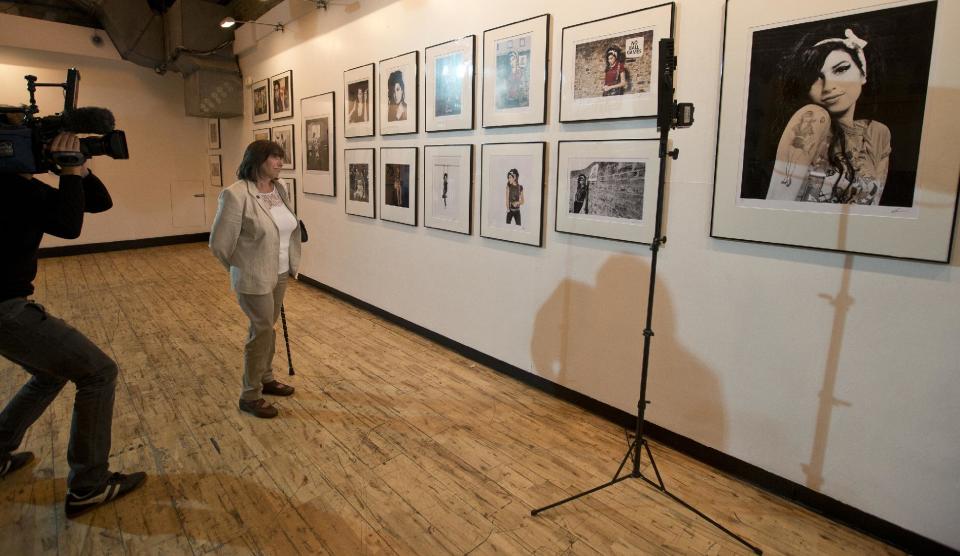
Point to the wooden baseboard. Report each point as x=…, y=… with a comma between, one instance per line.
x=830, y=508
x=87, y=248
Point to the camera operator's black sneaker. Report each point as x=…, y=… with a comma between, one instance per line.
x=13, y=462
x=116, y=486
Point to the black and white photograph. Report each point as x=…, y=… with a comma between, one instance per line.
x=359, y=179
x=832, y=115
x=213, y=133
x=610, y=66
x=511, y=195
x=216, y=170
x=608, y=188
x=281, y=93
x=358, y=85
x=397, y=187
x=399, y=79
x=319, y=144
x=261, y=100
x=514, y=73
x=448, y=187
x=283, y=136
x=291, y=184
x=449, y=80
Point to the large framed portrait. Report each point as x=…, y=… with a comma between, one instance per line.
x=448, y=187
x=449, y=76
x=608, y=189
x=358, y=176
x=397, y=185
x=831, y=131
x=511, y=192
x=358, y=101
x=399, y=94
x=609, y=67
x=216, y=170
x=319, y=141
x=515, y=73
x=213, y=133
x=261, y=134
x=283, y=136
x=281, y=95
x=261, y=101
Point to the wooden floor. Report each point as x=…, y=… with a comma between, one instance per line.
x=392, y=444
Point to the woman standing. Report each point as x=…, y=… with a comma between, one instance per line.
x=615, y=72
x=256, y=237
x=825, y=154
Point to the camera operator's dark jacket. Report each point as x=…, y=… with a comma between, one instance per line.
x=30, y=208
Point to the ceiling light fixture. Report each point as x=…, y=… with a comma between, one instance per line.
x=229, y=22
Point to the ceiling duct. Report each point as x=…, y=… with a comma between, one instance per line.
x=185, y=38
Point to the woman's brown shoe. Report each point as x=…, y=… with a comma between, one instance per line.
x=260, y=408
x=275, y=388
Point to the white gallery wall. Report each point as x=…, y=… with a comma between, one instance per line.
x=168, y=150
x=838, y=372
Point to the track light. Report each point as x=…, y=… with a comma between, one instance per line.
x=229, y=22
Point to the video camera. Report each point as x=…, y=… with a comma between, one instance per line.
x=25, y=145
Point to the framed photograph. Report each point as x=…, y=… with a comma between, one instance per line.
x=609, y=67
x=608, y=189
x=358, y=176
x=397, y=185
x=283, y=136
x=281, y=92
x=358, y=101
x=261, y=101
x=448, y=70
x=831, y=131
x=261, y=134
x=515, y=73
x=213, y=133
x=319, y=139
x=216, y=170
x=448, y=187
x=399, y=94
x=511, y=192
x=291, y=185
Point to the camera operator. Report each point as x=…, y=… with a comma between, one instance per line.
x=52, y=351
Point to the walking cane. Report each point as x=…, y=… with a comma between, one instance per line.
x=286, y=340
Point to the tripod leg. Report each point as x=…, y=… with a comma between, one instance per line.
x=654, y=464
x=286, y=339
x=584, y=493
x=623, y=461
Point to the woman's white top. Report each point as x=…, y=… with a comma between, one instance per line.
x=286, y=223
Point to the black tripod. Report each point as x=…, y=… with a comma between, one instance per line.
x=670, y=115
x=286, y=340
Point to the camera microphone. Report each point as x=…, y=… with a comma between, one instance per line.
x=88, y=119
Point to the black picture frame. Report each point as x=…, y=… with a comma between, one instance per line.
x=506, y=235
x=487, y=57
x=429, y=109
x=386, y=127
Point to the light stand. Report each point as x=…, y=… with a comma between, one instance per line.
x=286, y=339
x=670, y=114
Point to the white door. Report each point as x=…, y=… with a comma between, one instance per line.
x=187, y=203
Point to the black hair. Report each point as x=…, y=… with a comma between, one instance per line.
x=515, y=173
x=253, y=158
x=615, y=50
x=581, y=177
x=396, y=77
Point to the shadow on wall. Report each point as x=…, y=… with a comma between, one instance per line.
x=590, y=339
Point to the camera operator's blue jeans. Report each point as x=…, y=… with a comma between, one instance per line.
x=54, y=352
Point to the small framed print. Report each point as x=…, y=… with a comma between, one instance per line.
x=281, y=92
x=608, y=189
x=511, y=192
x=832, y=127
x=358, y=176
x=213, y=133
x=448, y=187
x=449, y=77
x=398, y=185
x=261, y=101
x=291, y=185
x=515, y=73
x=399, y=94
x=319, y=144
x=216, y=170
x=358, y=87
x=261, y=134
x=283, y=136
x=609, y=67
